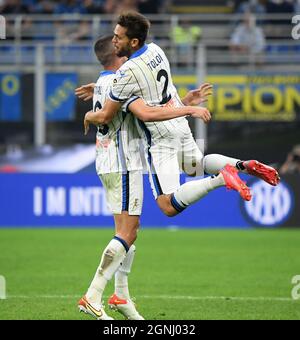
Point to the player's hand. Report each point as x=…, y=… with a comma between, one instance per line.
x=201, y=113
x=200, y=95
x=86, y=127
x=86, y=123
x=85, y=92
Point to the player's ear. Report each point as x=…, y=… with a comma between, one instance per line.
x=135, y=43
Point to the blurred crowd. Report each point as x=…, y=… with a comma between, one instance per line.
x=79, y=7
x=247, y=37
x=292, y=163
x=143, y=6
x=267, y=6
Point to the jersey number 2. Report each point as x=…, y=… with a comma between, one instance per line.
x=165, y=96
x=103, y=129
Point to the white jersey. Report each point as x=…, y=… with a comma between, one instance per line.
x=147, y=75
x=117, y=143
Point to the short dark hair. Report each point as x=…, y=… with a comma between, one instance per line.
x=104, y=50
x=137, y=25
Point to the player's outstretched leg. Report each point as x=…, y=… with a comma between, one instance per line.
x=214, y=163
x=120, y=301
x=193, y=191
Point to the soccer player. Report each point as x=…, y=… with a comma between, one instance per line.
x=119, y=167
x=147, y=75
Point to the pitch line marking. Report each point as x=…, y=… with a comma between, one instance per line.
x=166, y=297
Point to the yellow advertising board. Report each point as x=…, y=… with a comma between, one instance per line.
x=250, y=97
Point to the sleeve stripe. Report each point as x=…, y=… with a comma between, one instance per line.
x=130, y=102
x=114, y=98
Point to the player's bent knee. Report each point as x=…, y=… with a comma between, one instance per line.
x=171, y=212
x=164, y=203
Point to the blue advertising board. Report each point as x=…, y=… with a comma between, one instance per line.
x=59, y=102
x=78, y=200
x=60, y=99
x=10, y=97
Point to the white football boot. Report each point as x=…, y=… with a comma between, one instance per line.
x=95, y=311
x=125, y=307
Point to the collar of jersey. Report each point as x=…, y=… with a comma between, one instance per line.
x=106, y=73
x=139, y=52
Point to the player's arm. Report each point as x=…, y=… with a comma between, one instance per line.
x=106, y=114
x=85, y=92
x=198, y=96
x=158, y=113
x=120, y=91
x=103, y=116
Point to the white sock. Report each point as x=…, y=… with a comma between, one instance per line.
x=121, y=276
x=112, y=257
x=214, y=163
x=193, y=191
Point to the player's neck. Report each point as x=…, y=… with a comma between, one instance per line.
x=115, y=64
x=138, y=51
x=112, y=68
x=133, y=50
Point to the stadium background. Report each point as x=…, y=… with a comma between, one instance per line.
x=47, y=176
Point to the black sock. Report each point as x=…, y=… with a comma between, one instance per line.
x=240, y=166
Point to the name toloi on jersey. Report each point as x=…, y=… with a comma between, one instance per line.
x=155, y=62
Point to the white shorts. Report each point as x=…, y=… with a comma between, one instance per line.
x=167, y=157
x=124, y=192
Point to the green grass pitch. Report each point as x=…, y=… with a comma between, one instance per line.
x=177, y=275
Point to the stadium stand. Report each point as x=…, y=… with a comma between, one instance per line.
x=67, y=40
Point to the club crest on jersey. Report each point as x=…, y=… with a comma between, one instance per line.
x=121, y=73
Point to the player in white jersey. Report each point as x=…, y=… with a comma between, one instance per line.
x=147, y=75
x=123, y=182
x=119, y=167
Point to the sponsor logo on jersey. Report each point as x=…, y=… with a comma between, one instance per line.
x=103, y=143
